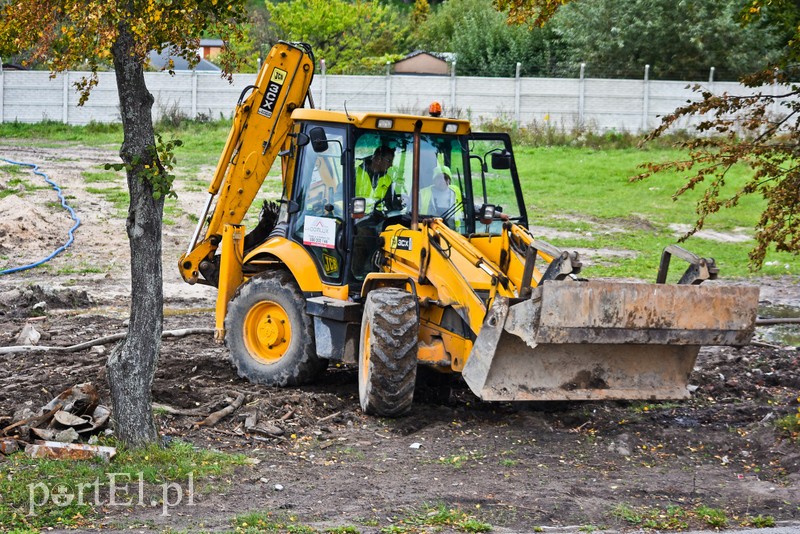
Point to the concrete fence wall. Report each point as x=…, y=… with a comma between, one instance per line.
x=600, y=104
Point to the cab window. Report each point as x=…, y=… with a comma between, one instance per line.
x=493, y=183
x=319, y=194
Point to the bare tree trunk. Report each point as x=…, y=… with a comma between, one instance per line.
x=132, y=364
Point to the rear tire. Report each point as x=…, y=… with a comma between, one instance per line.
x=387, y=367
x=269, y=334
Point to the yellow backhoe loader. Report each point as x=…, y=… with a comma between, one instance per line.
x=368, y=258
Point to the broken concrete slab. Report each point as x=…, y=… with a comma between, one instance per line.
x=69, y=451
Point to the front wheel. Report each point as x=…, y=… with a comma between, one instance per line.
x=269, y=334
x=388, y=357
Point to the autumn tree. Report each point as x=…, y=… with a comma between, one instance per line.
x=616, y=38
x=420, y=13
x=484, y=44
x=62, y=34
x=758, y=127
x=352, y=38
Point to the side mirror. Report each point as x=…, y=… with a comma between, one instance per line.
x=501, y=160
x=292, y=207
x=303, y=139
x=319, y=141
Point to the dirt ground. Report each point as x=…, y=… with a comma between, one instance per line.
x=515, y=466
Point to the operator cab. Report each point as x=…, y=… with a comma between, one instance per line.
x=351, y=183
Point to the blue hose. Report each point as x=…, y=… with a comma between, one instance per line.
x=63, y=205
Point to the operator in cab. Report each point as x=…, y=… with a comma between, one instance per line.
x=441, y=198
x=375, y=181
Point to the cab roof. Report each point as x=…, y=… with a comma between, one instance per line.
x=369, y=121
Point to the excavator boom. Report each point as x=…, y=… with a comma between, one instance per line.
x=261, y=124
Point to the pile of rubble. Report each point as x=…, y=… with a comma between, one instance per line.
x=53, y=430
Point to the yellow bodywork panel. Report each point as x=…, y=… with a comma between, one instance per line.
x=496, y=248
x=295, y=257
x=446, y=267
x=440, y=347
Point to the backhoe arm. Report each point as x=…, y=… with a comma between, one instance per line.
x=260, y=126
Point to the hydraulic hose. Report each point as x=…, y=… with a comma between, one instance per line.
x=64, y=205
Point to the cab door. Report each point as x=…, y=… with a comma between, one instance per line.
x=318, y=202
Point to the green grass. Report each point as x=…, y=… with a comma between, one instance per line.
x=93, y=177
x=155, y=465
x=118, y=197
x=92, y=134
x=587, y=192
x=458, y=460
x=20, y=181
x=256, y=522
x=713, y=517
x=759, y=521
x=437, y=517
x=670, y=518
x=425, y=519
x=82, y=268
x=674, y=517
x=8, y=168
x=790, y=424
x=13, y=187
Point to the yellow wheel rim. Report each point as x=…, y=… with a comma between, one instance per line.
x=365, y=354
x=267, y=331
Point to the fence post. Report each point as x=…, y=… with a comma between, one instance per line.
x=775, y=106
x=388, y=87
x=517, y=94
x=65, y=99
x=323, y=71
x=645, y=97
x=2, y=84
x=194, y=94
x=711, y=75
x=453, y=86
x=581, y=95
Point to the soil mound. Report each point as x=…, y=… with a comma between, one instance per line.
x=27, y=231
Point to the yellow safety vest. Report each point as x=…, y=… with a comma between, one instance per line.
x=425, y=196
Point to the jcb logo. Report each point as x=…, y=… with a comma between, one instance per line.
x=330, y=264
x=267, y=107
x=278, y=76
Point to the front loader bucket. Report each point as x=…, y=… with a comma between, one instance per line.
x=604, y=340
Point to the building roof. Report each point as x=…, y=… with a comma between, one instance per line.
x=212, y=42
x=444, y=56
x=160, y=61
x=424, y=63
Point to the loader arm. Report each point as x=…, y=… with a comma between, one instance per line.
x=261, y=124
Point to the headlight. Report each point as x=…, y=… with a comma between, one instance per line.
x=486, y=213
x=358, y=207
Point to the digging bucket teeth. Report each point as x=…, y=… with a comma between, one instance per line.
x=604, y=340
